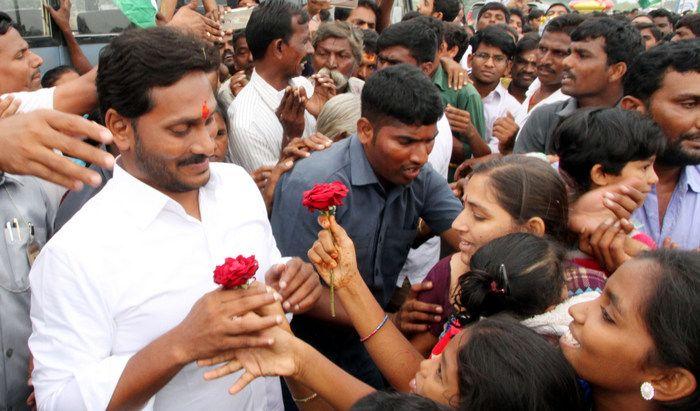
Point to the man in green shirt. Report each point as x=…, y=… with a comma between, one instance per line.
x=465, y=113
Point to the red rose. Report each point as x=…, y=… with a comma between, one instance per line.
x=235, y=272
x=324, y=196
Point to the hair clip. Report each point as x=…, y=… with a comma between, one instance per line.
x=504, y=278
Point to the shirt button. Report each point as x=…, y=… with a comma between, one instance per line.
x=9, y=352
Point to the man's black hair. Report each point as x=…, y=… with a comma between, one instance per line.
x=51, y=76
x=672, y=17
x=647, y=73
x=420, y=39
x=495, y=37
x=494, y=5
x=342, y=13
x=565, y=23
x=369, y=41
x=622, y=41
x=130, y=67
x=456, y=35
x=383, y=400
x=448, y=8
x=6, y=23
x=401, y=93
x=692, y=22
x=658, y=35
x=434, y=24
x=611, y=137
x=270, y=21
x=529, y=42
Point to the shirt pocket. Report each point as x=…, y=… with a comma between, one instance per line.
x=14, y=273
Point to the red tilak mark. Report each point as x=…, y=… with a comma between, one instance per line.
x=205, y=111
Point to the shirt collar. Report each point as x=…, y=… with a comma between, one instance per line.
x=440, y=79
x=9, y=178
x=690, y=177
x=361, y=172
x=569, y=107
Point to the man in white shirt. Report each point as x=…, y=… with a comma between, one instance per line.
x=123, y=300
x=492, y=59
x=278, y=38
x=20, y=78
x=551, y=52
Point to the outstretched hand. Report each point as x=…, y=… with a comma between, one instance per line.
x=334, y=250
x=278, y=359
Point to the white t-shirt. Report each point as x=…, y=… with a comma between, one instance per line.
x=33, y=100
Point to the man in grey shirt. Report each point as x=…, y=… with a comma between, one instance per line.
x=602, y=50
x=26, y=215
x=391, y=188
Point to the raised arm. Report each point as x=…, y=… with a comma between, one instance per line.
x=62, y=19
x=395, y=356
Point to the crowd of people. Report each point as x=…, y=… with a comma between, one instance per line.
x=521, y=229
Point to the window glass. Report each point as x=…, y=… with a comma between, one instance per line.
x=90, y=17
x=29, y=16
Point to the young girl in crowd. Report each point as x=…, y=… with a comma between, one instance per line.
x=638, y=345
x=519, y=274
x=494, y=361
x=603, y=146
x=507, y=195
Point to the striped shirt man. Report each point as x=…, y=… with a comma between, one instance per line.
x=255, y=137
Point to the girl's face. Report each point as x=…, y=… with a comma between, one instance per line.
x=607, y=343
x=221, y=139
x=642, y=170
x=482, y=219
x=437, y=378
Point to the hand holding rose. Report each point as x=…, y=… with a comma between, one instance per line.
x=334, y=250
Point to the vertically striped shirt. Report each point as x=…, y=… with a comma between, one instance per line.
x=255, y=136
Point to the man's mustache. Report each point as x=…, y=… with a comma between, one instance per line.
x=196, y=159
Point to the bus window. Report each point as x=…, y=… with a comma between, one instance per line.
x=29, y=16
x=90, y=17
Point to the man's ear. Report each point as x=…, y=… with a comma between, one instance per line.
x=121, y=129
x=453, y=52
x=427, y=68
x=437, y=15
x=673, y=384
x=598, y=176
x=616, y=72
x=365, y=131
x=277, y=48
x=633, y=103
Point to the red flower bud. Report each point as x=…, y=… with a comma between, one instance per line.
x=324, y=196
x=235, y=272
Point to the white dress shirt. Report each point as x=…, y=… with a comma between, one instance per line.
x=255, y=137
x=496, y=105
x=127, y=268
x=33, y=100
x=525, y=109
x=420, y=260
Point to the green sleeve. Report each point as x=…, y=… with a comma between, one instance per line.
x=469, y=100
x=139, y=12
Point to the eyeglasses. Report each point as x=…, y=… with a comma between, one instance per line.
x=485, y=57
